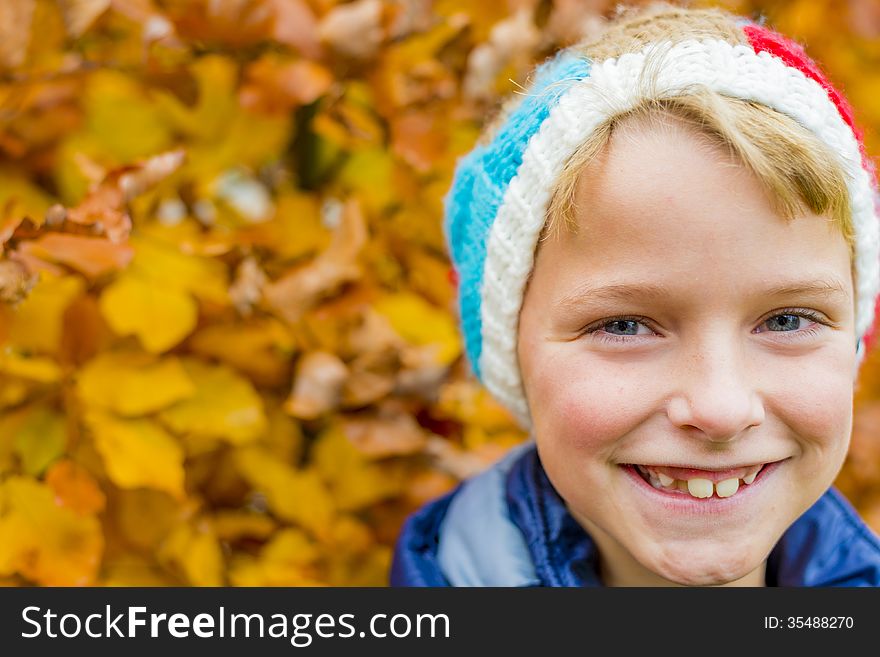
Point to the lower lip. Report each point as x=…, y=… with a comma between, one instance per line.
x=683, y=503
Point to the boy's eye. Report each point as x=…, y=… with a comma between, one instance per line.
x=785, y=322
x=790, y=321
x=624, y=327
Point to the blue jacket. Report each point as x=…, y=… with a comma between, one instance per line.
x=508, y=527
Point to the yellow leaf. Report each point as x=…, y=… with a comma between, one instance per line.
x=138, y=453
x=11, y=423
x=45, y=543
x=131, y=506
x=159, y=317
x=259, y=348
x=40, y=440
x=289, y=559
x=354, y=481
x=13, y=392
x=41, y=369
x=23, y=197
x=225, y=405
x=196, y=552
x=133, y=383
x=133, y=570
x=164, y=265
x=234, y=525
x=420, y=323
x=121, y=119
x=37, y=321
x=296, y=495
x=222, y=134
x=295, y=232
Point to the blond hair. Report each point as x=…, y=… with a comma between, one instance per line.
x=797, y=170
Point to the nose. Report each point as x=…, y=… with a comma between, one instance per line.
x=716, y=396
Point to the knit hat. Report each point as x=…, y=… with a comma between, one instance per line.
x=496, y=208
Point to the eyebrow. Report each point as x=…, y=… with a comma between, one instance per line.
x=821, y=288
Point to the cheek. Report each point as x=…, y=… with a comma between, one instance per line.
x=817, y=405
x=582, y=404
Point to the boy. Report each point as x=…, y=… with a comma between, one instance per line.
x=668, y=266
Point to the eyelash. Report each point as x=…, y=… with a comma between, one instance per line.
x=814, y=317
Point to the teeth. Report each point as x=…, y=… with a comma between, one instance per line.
x=727, y=487
x=700, y=487
x=749, y=478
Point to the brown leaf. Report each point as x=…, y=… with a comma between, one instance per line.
x=80, y=14
x=355, y=29
x=297, y=291
x=15, y=30
x=295, y=25
x=317, y=385
x=247, y=288
x=391, y=432
x=147, y=174
x=16, y=280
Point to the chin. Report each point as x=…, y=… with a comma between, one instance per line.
x=716, y=567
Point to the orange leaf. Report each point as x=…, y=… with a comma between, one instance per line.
x=75, y=488
x=92, y=256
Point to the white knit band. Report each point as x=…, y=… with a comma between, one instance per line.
x=616, y=86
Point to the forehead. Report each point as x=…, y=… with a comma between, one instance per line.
x=663, y=203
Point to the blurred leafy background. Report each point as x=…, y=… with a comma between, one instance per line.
x=228, y=350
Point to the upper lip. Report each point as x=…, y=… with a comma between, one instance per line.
x=715, y=468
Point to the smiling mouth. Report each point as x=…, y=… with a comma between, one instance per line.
x=701, y=484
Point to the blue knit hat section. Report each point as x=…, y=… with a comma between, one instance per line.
x=481, y=180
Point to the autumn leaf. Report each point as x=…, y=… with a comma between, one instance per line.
x=137, y=453
x=224, y=406
x=160, y=318
x=132, y=384
x=80, y=14
x=354, y=481
x=88, y=255
x=317, y=385
x=195, y=552
x=419, y=323
x=40, y=440
x=299, y=496
x=15, y=23
x=44, y=542
x=37, y=321
x=75, y=488
x=302, y=288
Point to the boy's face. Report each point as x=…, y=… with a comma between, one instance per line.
x=701, y=363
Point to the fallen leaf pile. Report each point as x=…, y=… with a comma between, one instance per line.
x=228, y=346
